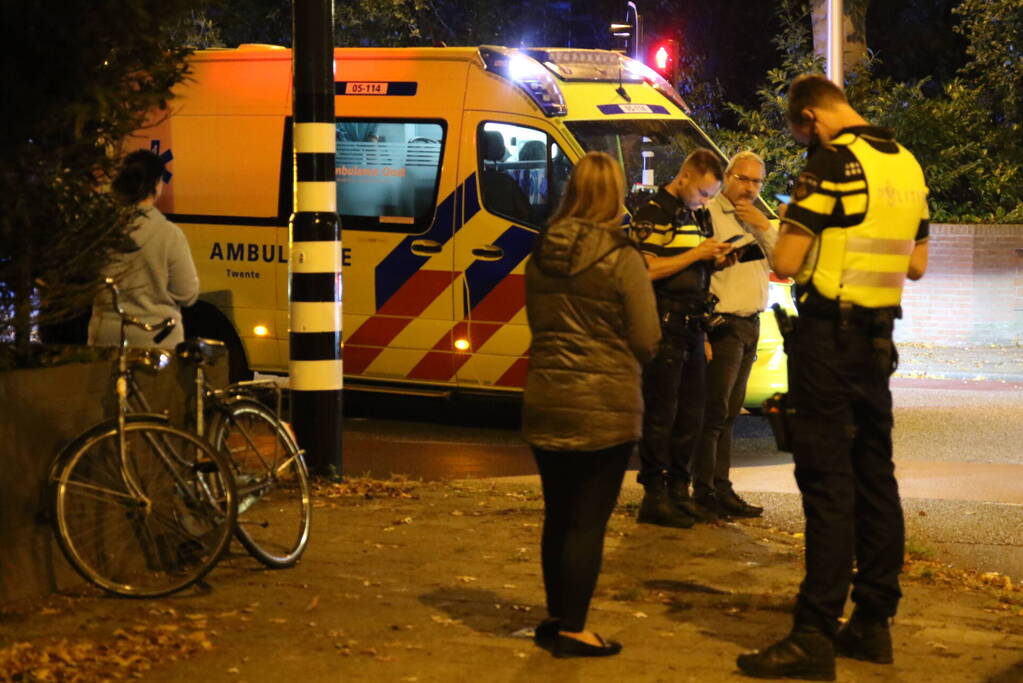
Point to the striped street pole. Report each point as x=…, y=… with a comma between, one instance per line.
x=315, y=263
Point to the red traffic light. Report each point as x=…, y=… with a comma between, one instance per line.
x=662, y=57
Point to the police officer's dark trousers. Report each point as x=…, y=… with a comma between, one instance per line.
x=674, y=383
x=838, y=386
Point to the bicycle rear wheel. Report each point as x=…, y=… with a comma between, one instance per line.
x=274, y=501
x=161, y=532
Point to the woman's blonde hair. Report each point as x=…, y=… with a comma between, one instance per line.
x=594, y=192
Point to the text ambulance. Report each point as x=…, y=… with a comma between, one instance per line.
x=449, y=160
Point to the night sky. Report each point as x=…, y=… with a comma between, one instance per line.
x=912, y=38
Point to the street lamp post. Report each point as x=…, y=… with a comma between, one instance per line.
x=835, y=68
x=637, y=30
x=631, y=31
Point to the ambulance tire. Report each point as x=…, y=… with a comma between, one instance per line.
x=203, y=320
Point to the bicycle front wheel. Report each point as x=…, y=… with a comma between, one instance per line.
x=274, y=501
x=150, y=524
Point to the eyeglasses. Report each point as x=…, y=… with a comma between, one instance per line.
x=747, y=179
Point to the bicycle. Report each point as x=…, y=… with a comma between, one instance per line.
x=274, y=497
x=141, y=508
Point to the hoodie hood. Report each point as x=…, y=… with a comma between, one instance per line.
x=573, y=245
x=146, y=226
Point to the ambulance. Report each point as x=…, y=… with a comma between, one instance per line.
x=448, y=162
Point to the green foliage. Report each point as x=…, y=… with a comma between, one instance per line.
x=381, y=23
x=396, y=23
x=994, y=33
x=378, y=23
x=970, y=147
x=764, y=129
x=79, y=80
x=199, y=31
x=251, y=21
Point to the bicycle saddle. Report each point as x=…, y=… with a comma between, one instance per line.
x=201, y=351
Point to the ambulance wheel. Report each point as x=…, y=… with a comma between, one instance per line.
x=203, y=320
x=237, y=367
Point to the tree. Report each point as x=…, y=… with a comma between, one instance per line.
x=252, y=21
x=966, y=136
x=79, y=78
x=994, y=32
x=762, y=128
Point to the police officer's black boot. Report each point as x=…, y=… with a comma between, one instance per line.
x=865, y=637
x=657, y=507
x=732, y=505
x=804, y=654
x=678, y=492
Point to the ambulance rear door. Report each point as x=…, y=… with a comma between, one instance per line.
x=512, y=169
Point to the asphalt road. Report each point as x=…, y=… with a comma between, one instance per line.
x=958, y=451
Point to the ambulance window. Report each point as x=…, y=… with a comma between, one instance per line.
x=649, y=150
x=521, y=172
x=387, y=173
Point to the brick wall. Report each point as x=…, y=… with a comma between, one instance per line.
x=973, y=290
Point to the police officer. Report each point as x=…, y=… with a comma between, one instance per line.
x=733, y=331
x=856, y=228
x=674, y=234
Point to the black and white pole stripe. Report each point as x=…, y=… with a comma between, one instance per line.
x=316, y=367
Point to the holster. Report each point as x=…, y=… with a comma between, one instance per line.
x=779, y=417
x=786, y=325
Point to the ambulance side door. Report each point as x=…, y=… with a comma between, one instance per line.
x=395, y=195
x=512, y=169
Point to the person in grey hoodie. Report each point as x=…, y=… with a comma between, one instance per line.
x=158, y=277
x=594, y=322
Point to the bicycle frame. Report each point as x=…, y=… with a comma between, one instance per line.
x=205, y=394
x=125, y=387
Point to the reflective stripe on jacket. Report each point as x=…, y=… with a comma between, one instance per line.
x=866, y=264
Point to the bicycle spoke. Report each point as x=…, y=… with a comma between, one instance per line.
x=274, y=504
x=100, y=493
x=160, y=543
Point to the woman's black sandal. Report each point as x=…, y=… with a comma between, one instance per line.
x=565, y=646
x=546, y=632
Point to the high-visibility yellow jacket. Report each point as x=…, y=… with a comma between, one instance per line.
x=864, y=199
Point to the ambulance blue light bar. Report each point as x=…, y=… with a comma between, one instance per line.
x=527, y=73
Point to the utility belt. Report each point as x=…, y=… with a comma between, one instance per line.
x=850, y=317
x=679, y=314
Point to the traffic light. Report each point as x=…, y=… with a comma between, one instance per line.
x=662, y=57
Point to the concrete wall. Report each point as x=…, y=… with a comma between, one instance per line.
x=41, y=410
x=973, y=290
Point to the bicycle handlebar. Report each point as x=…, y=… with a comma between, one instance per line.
x=164, y=326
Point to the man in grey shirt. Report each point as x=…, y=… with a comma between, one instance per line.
x=158, y=277
x=733, y=330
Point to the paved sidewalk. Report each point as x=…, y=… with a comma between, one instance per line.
x=441, y=582
x=978, y=362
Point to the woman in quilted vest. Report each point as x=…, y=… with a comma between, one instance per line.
x=594, y=323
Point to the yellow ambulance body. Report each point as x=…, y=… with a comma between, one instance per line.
x=448, y=162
